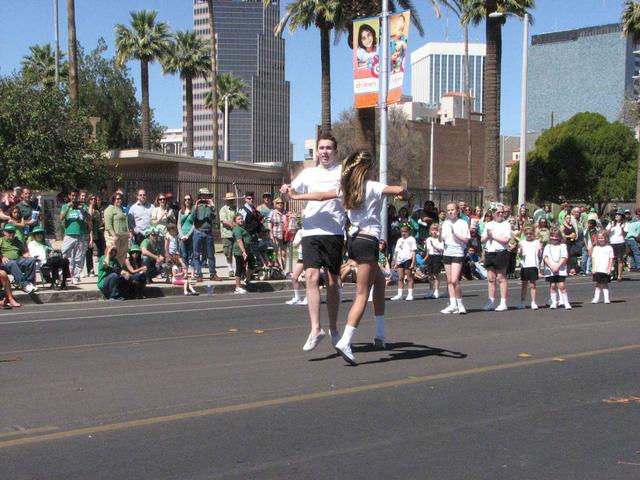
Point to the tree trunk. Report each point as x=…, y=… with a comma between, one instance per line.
x=214, y=97
x=492, y=103
x=73, y=53
x=365, y=127
x=146, y=122
x=468, y=101
x=325, y=59
x=188, y=87
x=638, y=182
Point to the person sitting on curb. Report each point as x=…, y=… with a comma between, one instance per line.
x=112, y=280
x=16, y=260
x=137, y=272
x=6, y=294
x=152, y=254
x=50, y=262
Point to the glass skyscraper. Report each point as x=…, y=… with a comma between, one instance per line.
x=247, y=48
x=583, y=70
x=438, y=68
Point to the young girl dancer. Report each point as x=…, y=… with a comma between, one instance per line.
x=617, y=231
x=404, y=261
x=555, y=259
x=529, y=250
x=363, y=199
x=602, y=257
x=455, y=235
x=434, y=261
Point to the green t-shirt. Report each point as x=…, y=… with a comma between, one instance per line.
x=634, y=229
x=149, y=244
x=11, y=248
x=240, y=233
x=203, y=217
x=103, y=270
x=74, y=222
x=25, y=209
x=186, y=221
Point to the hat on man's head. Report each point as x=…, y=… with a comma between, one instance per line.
x=249, y=194
x=37, y=230
x=592, y=210
x=229, y=196
x=204, y=191
x=267, y=194
x=135, y=248
x=9, y=227
x=168, y=195
x=627, y=211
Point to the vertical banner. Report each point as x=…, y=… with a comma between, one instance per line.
x=366, y=61
x=398, y=52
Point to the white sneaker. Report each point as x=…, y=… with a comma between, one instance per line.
x=607, y=301
x=313, y=341
x=534, y=306
x=303, y=301
x=75, y=281
x=553, y=305
x=240, y=291
x=520, y=306
x=29, y=287
x=449, y=309
x=436, y=294
x=489, y=306
x=461, y=309
x=567, y=306
x=294, y=301
x=397, y=297
x=503, y=307
x=594, y=300
x=409, y=297
x=345, y=352
x=335, y=338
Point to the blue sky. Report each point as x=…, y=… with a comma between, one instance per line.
x=28, y=22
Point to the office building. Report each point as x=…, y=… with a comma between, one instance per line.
x=438, y=68
x=583, y=70
x=247, y=48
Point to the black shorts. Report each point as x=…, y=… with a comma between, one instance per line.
x=556, y=278
x=600, y=277
x=406, y=264
x=363, y=248
x=242, y=264
x=619, y=250
x=529, y=274
x=434, y=264
x=496, y=260
x=448, y=260
x=323, y=251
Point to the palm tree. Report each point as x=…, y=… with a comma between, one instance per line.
x=189, y=56
x=326, y=15
x=631, y=26
x=477, y=11
x=40, y=67
x=73, y=53
x=233, y=89
x=147, y=41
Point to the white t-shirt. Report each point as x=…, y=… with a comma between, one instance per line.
x=434, y=246
x=555, y=253
x=321, y=218
x=615, y=233
x=498, y=229
x=367, y=216
x=453, y=246
x=405, y=248
x=529, y=253
x=600, y=259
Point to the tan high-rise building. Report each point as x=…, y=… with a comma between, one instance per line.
x=247, y=48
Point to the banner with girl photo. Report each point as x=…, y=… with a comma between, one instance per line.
x=366, y=58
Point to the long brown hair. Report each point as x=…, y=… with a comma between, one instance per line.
x=354, y=176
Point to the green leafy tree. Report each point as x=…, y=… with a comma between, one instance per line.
x=478, y=11
x=44, y=142
x=189, y=56
x=585, y=159
x=146, y=41
x=39, y=66
x=631, y=27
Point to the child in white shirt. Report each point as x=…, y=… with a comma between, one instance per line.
x=529, y=251
x=404, y=261
x=435, y=247
x=554, y=258
x=602, y=257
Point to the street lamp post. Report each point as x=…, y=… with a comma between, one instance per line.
x=383, y=106
x=226, y=125
x=522, y=164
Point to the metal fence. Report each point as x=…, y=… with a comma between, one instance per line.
x=472, y=196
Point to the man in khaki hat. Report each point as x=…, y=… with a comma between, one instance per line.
x=226, y=216
x=204, y=216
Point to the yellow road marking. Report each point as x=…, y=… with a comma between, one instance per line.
x=28, y=431
x=113, y=427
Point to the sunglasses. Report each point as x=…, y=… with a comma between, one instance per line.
x=162, y=199
x=188, y=199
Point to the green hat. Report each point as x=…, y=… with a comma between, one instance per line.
x=38, y=230
x=135, y=248
x=149, y=231
x=592, y=210
x=10, y=228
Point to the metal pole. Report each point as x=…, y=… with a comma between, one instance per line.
x=382, y=104
x=431, y=151
x=56, y=34
x=226, y=128
x=522, y=164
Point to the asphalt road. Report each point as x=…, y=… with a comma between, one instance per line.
x=204, y=388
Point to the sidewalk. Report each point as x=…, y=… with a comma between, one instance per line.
x=88, y=290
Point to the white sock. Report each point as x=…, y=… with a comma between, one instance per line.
x=410, y=291
x=296, y=293
x=379, y=325
x=347, y=335
x=606, y=294
x=596, y=295
x=458, y=302
x=453, y=302
x=565, y=298
x=399, y=292
x=503, y=301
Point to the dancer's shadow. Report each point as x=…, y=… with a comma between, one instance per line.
x=398, y=351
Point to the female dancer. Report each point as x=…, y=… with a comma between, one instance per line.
x=455, y=234
x=362, y=197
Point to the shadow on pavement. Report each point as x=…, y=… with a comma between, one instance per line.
x=397, y=351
